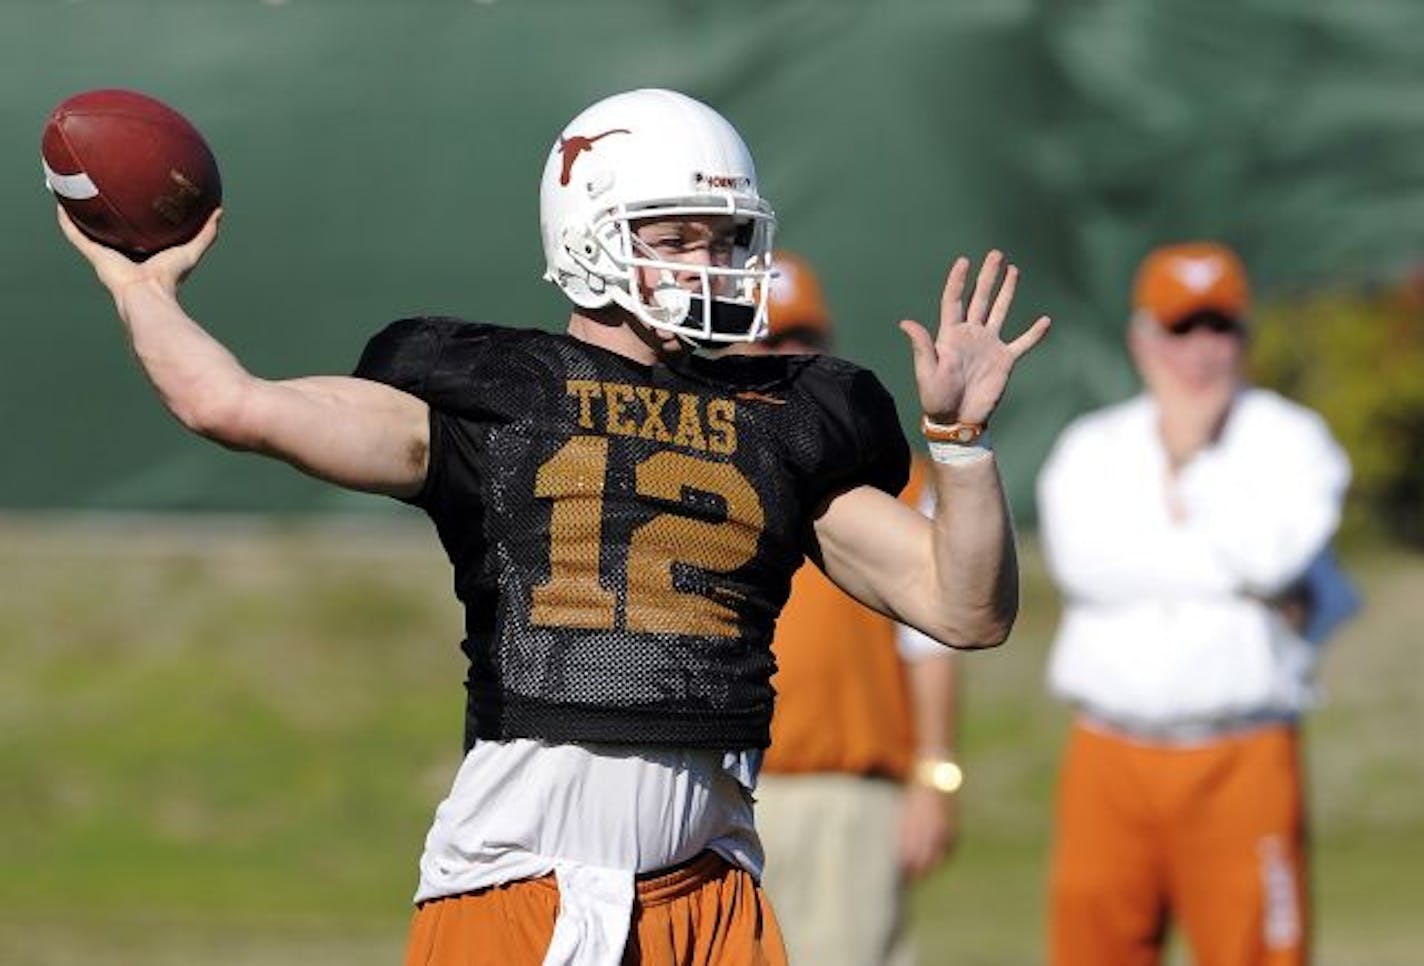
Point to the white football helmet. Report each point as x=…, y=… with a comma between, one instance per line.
x=655, y=154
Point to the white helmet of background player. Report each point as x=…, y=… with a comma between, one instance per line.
x=655, y=154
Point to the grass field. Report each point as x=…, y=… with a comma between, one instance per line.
x=221, y=742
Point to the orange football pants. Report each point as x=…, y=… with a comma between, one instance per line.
x=706, y=913
x=1209, y=836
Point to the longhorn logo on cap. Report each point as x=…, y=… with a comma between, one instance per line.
x=1198, y=274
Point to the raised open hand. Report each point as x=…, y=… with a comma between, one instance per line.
x=961, y=373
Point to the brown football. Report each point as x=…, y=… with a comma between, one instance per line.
x=131, y=172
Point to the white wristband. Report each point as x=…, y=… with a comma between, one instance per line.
x=959, y=453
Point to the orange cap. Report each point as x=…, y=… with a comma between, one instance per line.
x=1176, y=281
x=795, y=300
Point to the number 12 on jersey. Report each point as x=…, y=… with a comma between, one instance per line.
x=575, y=595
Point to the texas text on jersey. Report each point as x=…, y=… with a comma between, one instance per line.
x=623, y=536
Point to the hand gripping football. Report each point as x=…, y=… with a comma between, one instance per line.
x=132, y=173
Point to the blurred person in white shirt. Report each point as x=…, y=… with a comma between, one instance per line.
x=1188, y=529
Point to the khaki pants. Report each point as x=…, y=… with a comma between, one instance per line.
x=707, y=913
x=833, y=867
x=1211, y=836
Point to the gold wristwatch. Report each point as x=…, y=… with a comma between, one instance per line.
x=941, y=774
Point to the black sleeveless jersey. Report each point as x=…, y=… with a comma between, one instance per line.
x=623, y=535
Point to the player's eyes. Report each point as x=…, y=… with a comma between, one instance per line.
x=721, y=248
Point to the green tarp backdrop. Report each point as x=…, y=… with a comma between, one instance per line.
x=381, y=159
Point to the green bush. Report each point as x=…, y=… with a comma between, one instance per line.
x=1358, y=359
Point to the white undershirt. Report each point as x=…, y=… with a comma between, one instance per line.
x=1165, y=617
x=595, y=816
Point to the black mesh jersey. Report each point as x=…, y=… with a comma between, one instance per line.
x=623, y=536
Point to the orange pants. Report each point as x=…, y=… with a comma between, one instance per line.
x=1209, y=835
x=706, y=913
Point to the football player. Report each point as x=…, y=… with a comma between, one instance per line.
x=623, y=512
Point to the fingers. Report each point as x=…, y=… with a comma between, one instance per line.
x=1032, y=337
x=984, y=287
x=191, y=252
x=113, y=268
x=71, y=231
x=912, y=865
x=950, y=307
x=951, y=311
x=208, y=233
x=172, y=266
x=920, y=852
x=1000, y=311
x=980, y=312
x=922, y=347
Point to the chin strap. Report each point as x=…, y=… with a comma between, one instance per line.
x=727, y=317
